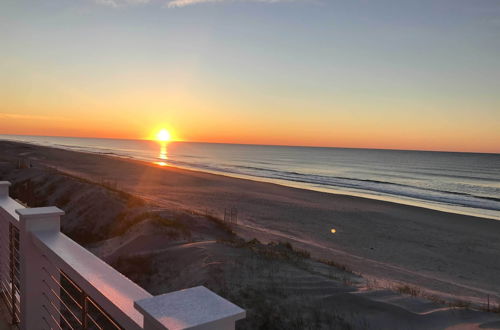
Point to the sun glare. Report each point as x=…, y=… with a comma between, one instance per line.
x=163, y=135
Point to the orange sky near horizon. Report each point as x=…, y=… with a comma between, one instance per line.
x=354, y=134
x=196, y=111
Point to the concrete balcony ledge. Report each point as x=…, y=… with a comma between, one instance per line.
x=194, y=308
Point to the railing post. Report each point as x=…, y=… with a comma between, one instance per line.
x=4, y=189
x=32, y=262
x=195, y=308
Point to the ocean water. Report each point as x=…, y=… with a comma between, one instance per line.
x=467, y=183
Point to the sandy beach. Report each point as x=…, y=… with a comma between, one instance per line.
x=447, y=256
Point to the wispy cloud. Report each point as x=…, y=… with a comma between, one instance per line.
x=176, y=3
x=4, y=115
x=184, y=3
x=120, y=3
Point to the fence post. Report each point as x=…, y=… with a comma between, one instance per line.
x=32, y=261
x=195, y=308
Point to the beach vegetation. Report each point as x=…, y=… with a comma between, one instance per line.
x=460, y=304
x=279, y=309
x=272, y=250
x=335, y=264
x=136, y=267
x=221, y=223
x=494, y=309
x=437, y=300
x=409, y=290
x=177, y=227
x=27, y=193
x=63, y=200
x=109, y=184
x=52, y=187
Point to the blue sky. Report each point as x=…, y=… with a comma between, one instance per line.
x=432, y=67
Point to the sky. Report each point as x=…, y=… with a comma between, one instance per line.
x=396, y=74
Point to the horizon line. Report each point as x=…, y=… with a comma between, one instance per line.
x=255, y=144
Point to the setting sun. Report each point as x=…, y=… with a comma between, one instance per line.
x=163, y=135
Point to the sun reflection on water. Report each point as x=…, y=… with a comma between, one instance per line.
x=163, y=156
x=163, y=151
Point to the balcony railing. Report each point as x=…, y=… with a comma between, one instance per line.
x=48, y=281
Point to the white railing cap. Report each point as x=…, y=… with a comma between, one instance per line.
x=37, y=212
x=189, y=308
x=5, y=183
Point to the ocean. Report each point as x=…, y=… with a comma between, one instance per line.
x=466, y=183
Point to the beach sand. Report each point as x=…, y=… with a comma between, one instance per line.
x=450, y=256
